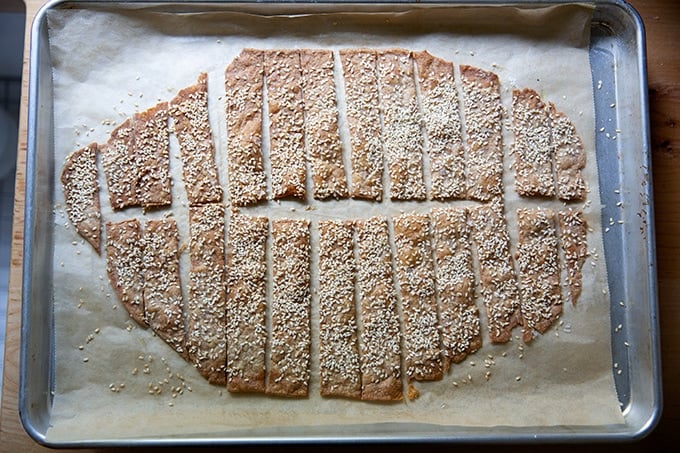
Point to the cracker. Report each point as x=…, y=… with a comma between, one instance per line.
x=532, y=147
x=288, y=373
x=441, y=118
x=124, y=265
x=458, y=313
x=497, y=280
x=163, y=304
x=246, y=303
x=120, y=166
x=380, y=336
x=539, y=270
x=570, y=157
x=321, y=124
x=287, y=154
x=79, y=179
x=401, y=132
x=153, y=156
x=574, y=242
x=243, y=82
x=483, y=112
x=363, y=118
x=206, y=307
x=189, y=111
x=415, y=274
x=339, y=366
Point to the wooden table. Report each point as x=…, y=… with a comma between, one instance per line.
x=662, y=22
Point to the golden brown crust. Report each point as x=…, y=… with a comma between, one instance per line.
x=321, y=124
x=573, y=240
x=570, y=157
x=121, y=166
x=243, y=81
x=288, y=373
x=189, y=111
x=124, y=266
x=79, y=179
x=286, y=123
x=152, y=156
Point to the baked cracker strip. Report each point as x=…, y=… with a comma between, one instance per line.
x=79, y=179
x=124, y=265
x=539, y=270
x=416, y=277
x=246, y=303
x=243, y=82
x=441, y=117
x=570, y=157
x=401, y=134
x=573, y=239
x=287, y=155
x=458, y=313
x=120, y=164
x=483, y=109
x=206, y=307
x=288, y=373
x=189, y=111
x=532, y=147
x=153, y=156
x=339, y=352
x=321, y=124
x=163, y=304
x=363, y=118
x=497, y=281
x=380, y=337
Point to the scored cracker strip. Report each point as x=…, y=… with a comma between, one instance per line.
x=243, y=82
x=363, y=118
x=189, y=111
x=79, y=179
x=121, y=166
x=573, y=240
x=441, y=118
x=206, y=307
x=288, y=373
x=570, y=157
x=539, y=270
x=401, y=132
x=246, y=302
x=380, y=336
x=163, y=304
x=483, y=112
x=416, y=277
x=532, y=147
x=124, y=265
x=321, y=124
x=287, y=155
x=459, y=315
x=153, y=156
x=497, y=280
x=339, y=366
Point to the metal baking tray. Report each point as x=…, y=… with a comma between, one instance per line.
x=618, y=61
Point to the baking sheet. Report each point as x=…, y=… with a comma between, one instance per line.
x=565, y=376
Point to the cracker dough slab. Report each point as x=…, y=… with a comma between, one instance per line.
x=243, y=83
x=497, y=280
x=290, y=337
x=415, y=274
x=321, y=124
x=124, y=265
x=483, y=112
x=441, y=118
x=163, y=303
x=340, y=372
x=380, y=335
x=153, y=156
x=246, y=302
x=206, y=307
x=532, y=147
x=287, y=154
x=359, y=69
x=401, y=132
x=189, y=111
x=570, y=157
x=458, y=314
x=79, y=179
x=121, y=166
x=573, y=240
x=539, y=270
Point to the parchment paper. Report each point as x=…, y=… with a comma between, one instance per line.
x=114, y=380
